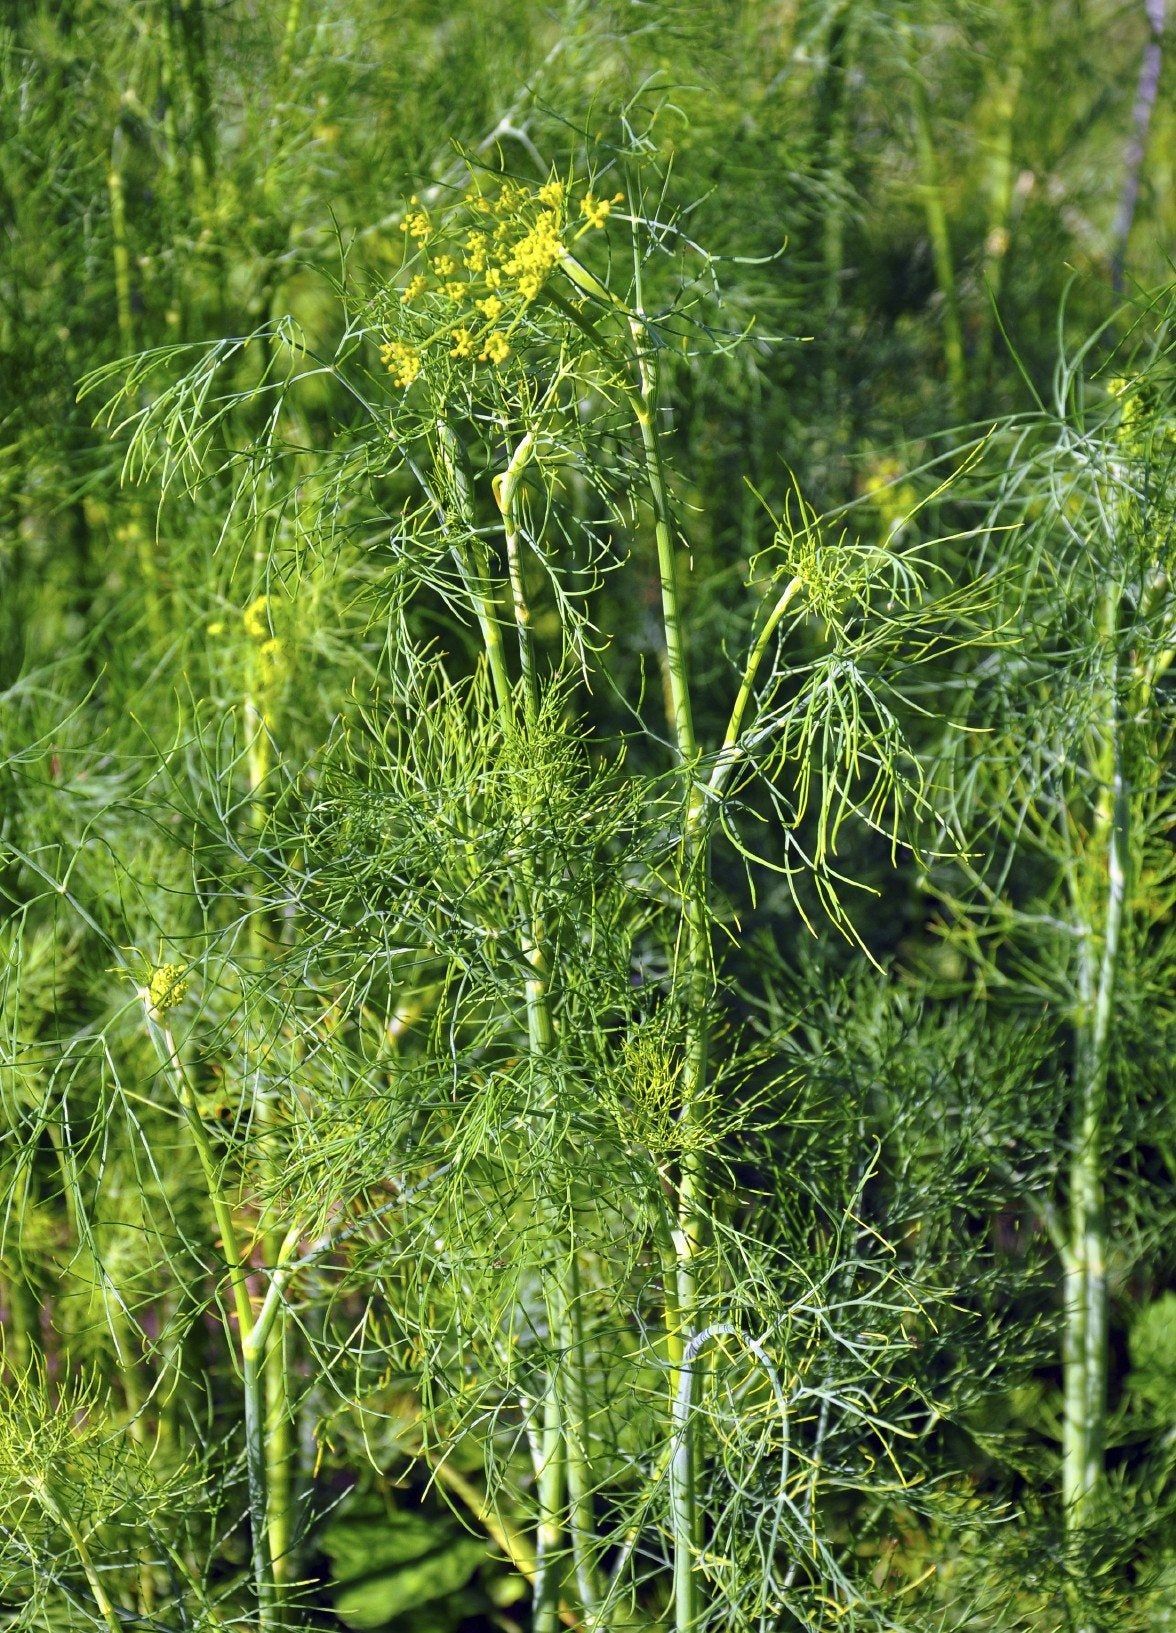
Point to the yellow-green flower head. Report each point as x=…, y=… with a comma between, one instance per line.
x=532, y=257
x=595, y=210
x=416, y=222
x=402, y=361
x=166, y=987
x=256, y=618
x=496, y=349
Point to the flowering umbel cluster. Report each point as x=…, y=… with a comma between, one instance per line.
x=166, y=987
x=473, y=274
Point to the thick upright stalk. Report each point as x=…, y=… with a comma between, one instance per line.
x=251, y=1336
x=1008, y=79
x=550, y=1460
x=832, y=122
x=120, y=247
x=694, y=884
x=931, y=188
x=1085, y=1339
x=277, y=1416
x=1141, y=118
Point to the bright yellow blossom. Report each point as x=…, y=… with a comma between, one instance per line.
x=402, y=362
x=490, y=306
x=496, y=349
x=533, y=256
x=552, y=193
x=597, y=210
x=415, y=286
x=416, y=222
x=463, y=344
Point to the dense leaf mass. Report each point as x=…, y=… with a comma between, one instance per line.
x=586, y=810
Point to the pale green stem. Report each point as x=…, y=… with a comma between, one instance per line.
x=695, y=965
x=1085, y=1338
x=732, y=752
x=549, y=1483
x=694, y=863
x=86, y=1559
x=249, y=1343
x=289, y=35
x=565, y=1315
x=931, y=187
x=581, y=1520
x=540, y=1027
x=274, y=1362
x=475, y=573
x=1009, y=77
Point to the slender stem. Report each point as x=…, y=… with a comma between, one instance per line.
x=120, y=248
x=470, y=556
x=82, y=1549
x=274, y=1360
x=506, y=494
x=1008, y=79
x=581, y=1523
x=694, y=865
x=549, y=1472
x=1141, y=118
x=731, y=752
x=931, y=187
x=251, y=1352
x=541, y=1037
x=1085, y=1338
x=290, y=29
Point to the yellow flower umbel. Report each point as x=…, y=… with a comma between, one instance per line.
x=165, y=988
x=532, y=256
x=484, y=264
x=255, y=618
x=403, y=362
x=416, y=222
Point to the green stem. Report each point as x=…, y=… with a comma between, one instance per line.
x=120, y=246
x=474, y=567
x=1085, y=1337
x=931, y=187
x=251, y=1355
x=581, y=1519
x=470, y=556
x=1000, y=209
x=274, y=1359
x=289, y=35
x=82, y=1549
x=731, y=752
x=694, y=865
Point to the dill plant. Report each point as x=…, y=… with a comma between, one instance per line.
x=490, y=1114
x=1068, y=790
x=400, y=1070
